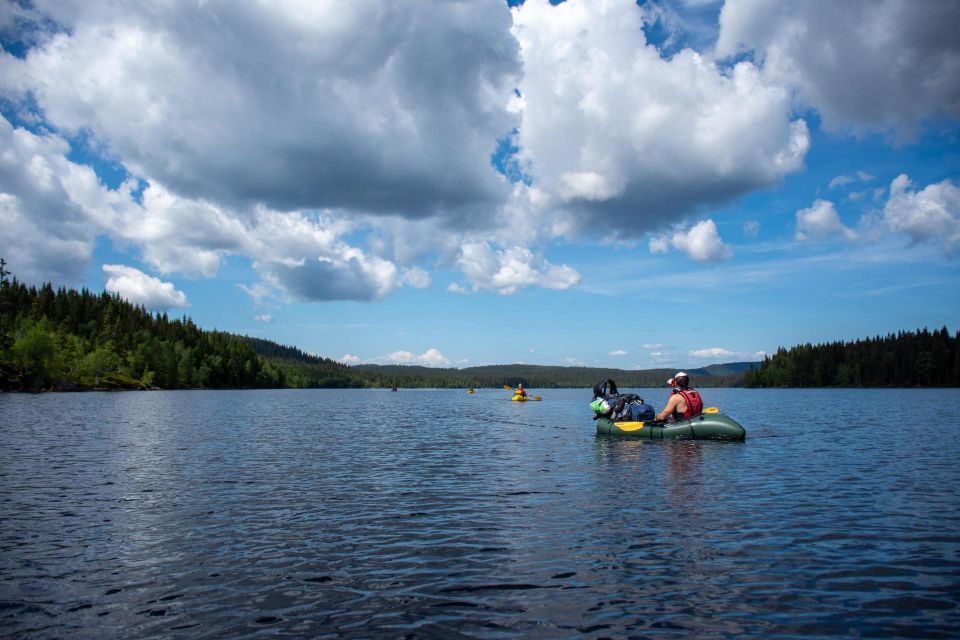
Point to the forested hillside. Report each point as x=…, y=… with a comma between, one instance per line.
x=543, y=377
x=70, y=340
x=67, y=339
x=906, y=359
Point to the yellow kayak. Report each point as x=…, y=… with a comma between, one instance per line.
x=519, y=398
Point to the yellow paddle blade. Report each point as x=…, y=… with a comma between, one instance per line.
x=507, y=387
x=537, y=398
x=711, y=410
x=629, y=426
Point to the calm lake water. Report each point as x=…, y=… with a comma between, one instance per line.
x=437, y=514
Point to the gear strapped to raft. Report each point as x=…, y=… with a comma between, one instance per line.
x=606, y=392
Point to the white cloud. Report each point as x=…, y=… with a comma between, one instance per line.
x=264, y=318
x=751, y=228
x=617, y=352
x=430, y=358
x=652, y=345
x=659, y=357
x=821, y=222
x=659, y=244
x=508, y=270
x=643, y=139
x=416, y=278
x=47, y=207
x=931, y=215
x=259, y=293
x=456, y=288
x=349, y=359
x=141, y=289
x=361, y=105
x=863, y=64
x=721, y=354
x=712, y=353
x=840, y=181
x=702, y=242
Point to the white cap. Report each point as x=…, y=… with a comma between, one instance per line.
x=673, y=381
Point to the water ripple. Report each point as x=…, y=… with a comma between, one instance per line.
x=434, y=514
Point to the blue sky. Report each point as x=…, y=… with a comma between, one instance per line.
x=597, y=183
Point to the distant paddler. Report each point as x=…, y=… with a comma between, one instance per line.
x=520, y=394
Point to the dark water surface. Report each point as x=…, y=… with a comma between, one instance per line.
x=436, y=514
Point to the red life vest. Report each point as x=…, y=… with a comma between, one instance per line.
x=694, y=403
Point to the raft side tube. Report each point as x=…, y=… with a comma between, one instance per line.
x=706, y=426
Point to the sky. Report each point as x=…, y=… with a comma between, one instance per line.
x=468, y=182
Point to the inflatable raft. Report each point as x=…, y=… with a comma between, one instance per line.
x=706, y=426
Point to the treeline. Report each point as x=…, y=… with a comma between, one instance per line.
x=306, y=371
x=541, y=377
x=68, y=340
x=906, y=359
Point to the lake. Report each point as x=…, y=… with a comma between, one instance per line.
x=437, y=514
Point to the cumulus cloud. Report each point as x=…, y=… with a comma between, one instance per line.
x=46, y=206
x=508, y=270
x=363, y=105
x=617, y=352
x=142, y=289
x=702, y=242
x=416, y=278
x=644, y=139
x=821, y=222
x=430, y=358
x=863, y=64
x=714, y=352
x=930, y=215
x=350, y=359
x=658, y=244
x=719, y=353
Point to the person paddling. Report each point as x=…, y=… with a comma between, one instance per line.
x=521, y=391
x=684, y=402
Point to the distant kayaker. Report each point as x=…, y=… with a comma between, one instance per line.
x=684, y=402
x=520, y=391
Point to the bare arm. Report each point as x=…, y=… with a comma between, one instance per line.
x=671, y=405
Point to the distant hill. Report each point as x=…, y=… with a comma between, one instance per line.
x=74, y=340
x=547, y=377
x=728, y=369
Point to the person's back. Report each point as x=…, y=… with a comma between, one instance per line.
x=684, y=402
x=521, y=391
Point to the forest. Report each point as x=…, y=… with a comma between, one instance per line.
x=918, y=358
x=68, y=340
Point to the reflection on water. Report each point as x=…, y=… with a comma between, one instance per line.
x=442, y=514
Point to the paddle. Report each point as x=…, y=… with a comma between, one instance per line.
x=509, y=388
